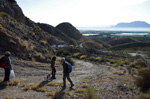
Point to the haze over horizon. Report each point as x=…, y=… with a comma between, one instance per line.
x=86, y=13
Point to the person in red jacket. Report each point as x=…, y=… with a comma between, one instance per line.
x=8, y=66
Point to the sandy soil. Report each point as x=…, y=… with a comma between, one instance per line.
x=108, y=81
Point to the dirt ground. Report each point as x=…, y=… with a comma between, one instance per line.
x=108, y=81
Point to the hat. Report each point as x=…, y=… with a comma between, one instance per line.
x=63, y=58
x=7, y=53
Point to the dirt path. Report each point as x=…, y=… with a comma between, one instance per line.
x=108, y=81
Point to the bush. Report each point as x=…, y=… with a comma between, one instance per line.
x=68, y=59
x=143, y=81
x=144, y=96
x=83, y=56
x=76, y=55
x=90, y=94
x=63, y=53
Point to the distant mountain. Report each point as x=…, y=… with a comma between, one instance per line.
x=135, y=24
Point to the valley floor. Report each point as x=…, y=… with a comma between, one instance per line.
x=108, y=81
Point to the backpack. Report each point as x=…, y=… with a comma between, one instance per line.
x=69, y=67
x=2, y=63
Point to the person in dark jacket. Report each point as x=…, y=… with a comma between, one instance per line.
x=66, y=73
x=53, y=67
x=8, y=66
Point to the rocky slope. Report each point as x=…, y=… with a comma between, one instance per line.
x=26, y=39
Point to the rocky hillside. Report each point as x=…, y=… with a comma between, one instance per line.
x=69, y=30
x=29, y=40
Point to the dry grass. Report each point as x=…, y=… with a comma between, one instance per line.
x=26, y=44
x=19, y=39
x=32, y=47
x=132, y=64
x=29, y=86
x=52, y=84
x=12, y=41
x=85, y=80
x=90, y=94
x=32, y=86
x=97, y=58
x=69, y=93
x=59, y=95
x=81, y=90
x=40, y=89
x=144, y=96
x=43, y=42
x=143, y=81
x=32, y=59
x=76, y=54
x=39, y=55
x=117, y=72
x=83, y=56
x=51, y=93
x=111, y=77
x=15, y=82
x=85, y=85
x=7, y=97
x=1, y=26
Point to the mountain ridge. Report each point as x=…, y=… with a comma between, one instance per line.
x=134, y=24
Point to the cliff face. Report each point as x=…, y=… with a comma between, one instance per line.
x=11, y=8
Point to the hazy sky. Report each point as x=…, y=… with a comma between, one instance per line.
x=83, y=13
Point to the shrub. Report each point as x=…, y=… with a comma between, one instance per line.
x=83, y=56
x=144, y=96
x=43, y=42
x=35, y=87
x=12, y=41
x=25, y=44
x=97, y=58
x=51, y=93
x=39, y=55
x=92, y=58
x=141, y=62
x=69, y=93
x=63, y=53
x=85, y=85
x=76, y=55
x=68, y=59
x=90, y=94
x=132, y=64
x=59, y=95
x=1, y=26
x=143, y=81
x=32, y=47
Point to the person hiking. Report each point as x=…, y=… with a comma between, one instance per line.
x=8, y=66
x=66, y=73
x=53, y=67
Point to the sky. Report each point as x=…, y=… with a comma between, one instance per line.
x=86, y=13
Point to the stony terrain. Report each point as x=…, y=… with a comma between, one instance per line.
x=108, y=81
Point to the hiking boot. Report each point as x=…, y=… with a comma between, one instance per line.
x=71, y=85
x=54, y=77
x=64, y=87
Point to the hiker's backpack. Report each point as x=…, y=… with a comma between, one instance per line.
x=2, y=63
x=69, y=67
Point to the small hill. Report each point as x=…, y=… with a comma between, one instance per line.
x=57, y=33
x=69, y=30
x=135, y=24
x=121, y=41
